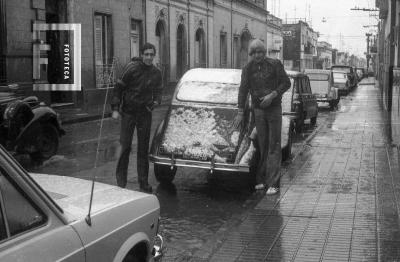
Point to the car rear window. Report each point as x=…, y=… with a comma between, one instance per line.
x=345, y=69
x=208, y=92
x=339, y=77
x=318, y=77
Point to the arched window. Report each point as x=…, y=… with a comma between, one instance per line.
x=200, y=49
x=181, y=49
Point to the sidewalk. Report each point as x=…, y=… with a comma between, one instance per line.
x=339, y=198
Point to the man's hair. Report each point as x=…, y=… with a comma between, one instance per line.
x=147, y=46
x=256, y=44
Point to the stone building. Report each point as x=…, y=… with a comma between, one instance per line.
x=111, y=32
x=324, y=55
x=187, y=34
x=299, y=45
x=206, y=33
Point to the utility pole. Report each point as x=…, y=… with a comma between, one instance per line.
x=368, y=35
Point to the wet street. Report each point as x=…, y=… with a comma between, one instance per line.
x=327, y=204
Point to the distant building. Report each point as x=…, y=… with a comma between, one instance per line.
x=323, y=60
x=299, y=45
x=342, y=58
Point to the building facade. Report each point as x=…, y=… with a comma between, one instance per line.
x=207, y=33
x=324, y=55
x=111, y=32
x=186, y=33
x=387, y=67
x=299, y=45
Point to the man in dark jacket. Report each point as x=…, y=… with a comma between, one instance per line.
x=266, y=80
x=135, y=95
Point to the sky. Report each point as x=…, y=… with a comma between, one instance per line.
x=343, y=28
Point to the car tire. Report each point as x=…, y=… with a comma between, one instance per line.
x=164, y=174
x=299, y=123
x=287, y=150
x=313, y=120
x=45, y=141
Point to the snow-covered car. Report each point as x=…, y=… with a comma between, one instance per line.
x=322, y=88
x=198, y=128
x=45, y=218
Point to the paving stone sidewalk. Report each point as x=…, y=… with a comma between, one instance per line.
x=339, y=199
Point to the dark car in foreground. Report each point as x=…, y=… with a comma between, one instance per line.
x=198, y=129
x=28, y=125
x=299, y=102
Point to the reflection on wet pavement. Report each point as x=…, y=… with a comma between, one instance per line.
x=339, y=199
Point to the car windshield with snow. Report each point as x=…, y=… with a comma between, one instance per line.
x=198, y=129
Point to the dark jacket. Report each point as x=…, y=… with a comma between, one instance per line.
x=139, y=86
x=262, y=78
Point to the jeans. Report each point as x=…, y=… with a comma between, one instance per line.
x=269, y=125
x=141, y=119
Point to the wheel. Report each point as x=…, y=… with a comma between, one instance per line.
x=313, y=120
x=298, y=125
x=164, y=173
x=45, y=141
x=287, y=150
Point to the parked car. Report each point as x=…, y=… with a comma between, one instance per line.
x=351, y=74
x=44, y=218
x=341, y=82
x=322, y=88
x=361, y=73
x=299, y=102
x=28, y=125
x=198, y=129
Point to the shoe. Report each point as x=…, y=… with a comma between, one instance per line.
x=272, y=191
x=259, y=187
x=146, y=188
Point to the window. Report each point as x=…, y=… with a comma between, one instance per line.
x=223, y=51
x=136, y=37
x=236, y=52
x=103, y=50
x=18, y=214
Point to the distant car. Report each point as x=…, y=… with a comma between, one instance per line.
x=198, y=129
x=322, y=88
x=351, y=74
x=42, y=218
x=340, y=81
x=361, y=73
x=299, y=102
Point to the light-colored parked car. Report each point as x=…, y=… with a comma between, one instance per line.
x=198, y=129
x=322, y=88
x=44, y=218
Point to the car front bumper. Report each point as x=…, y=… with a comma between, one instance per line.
x=210, y=165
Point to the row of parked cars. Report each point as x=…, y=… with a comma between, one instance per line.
x=197, y=130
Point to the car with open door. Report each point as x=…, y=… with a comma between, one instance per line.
x=46, y=218
x=198, y=132
x=299, y=103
